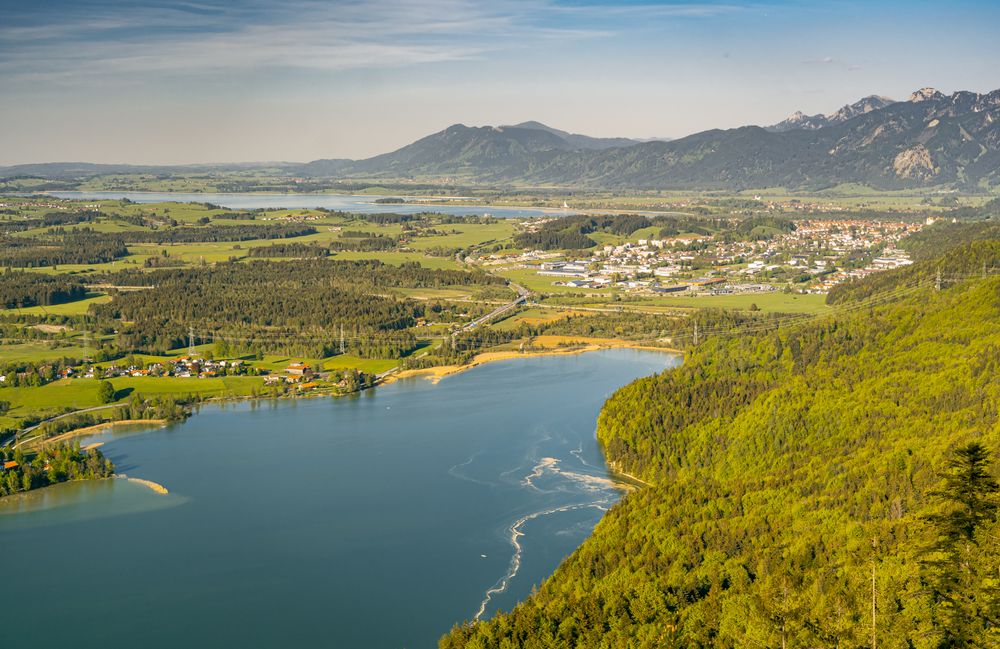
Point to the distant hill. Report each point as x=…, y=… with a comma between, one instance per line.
x=501, y=152
x=73, y=170
x=582, y=142
x=64, y=170
x=930, y=139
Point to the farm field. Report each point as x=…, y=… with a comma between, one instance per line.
x=769, y=302
x=75, y=394
x=39, y=350
x=69, y=308
x=535, y=316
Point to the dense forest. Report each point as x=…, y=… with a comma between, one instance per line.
x=798, y=477
x=78, y=247
x=21, y=289
x=275, y=306
x=216, y=233
x=759, y=228
x=367, y=243
x=570, y=232
x=291, y=250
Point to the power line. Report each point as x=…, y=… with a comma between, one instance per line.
x=454, y=341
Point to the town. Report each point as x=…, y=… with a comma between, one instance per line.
x=812, y=257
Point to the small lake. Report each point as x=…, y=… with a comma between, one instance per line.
x=340, y=202
x=376, y=521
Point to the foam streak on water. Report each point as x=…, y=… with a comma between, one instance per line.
x=549, y=468
x=515, y=562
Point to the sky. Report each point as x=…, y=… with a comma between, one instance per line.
x=188, y=81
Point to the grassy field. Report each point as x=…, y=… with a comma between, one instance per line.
x=398, y=258
x=177, y=386
x=534, y=316
x=463, y=235
x=37, y=351
x=51, y=398
x=455, y=293
x=69, y=308
x=75, y=394
x=367, y=365
x=772, y=302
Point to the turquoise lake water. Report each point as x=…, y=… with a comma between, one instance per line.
x=378, y=520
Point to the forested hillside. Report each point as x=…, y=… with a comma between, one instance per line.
x=280, y=306
x=786, y=469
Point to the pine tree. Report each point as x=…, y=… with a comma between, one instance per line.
x=961, y=563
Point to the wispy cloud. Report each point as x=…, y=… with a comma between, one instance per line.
x=832, y=62
x=100, y=39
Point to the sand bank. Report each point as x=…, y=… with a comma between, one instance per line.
x=154, y=486
x=540, y=346
x=98, y=427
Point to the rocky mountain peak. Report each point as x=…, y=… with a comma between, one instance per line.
x=925, y=94
x=860, y=107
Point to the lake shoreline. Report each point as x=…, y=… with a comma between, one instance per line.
x=149, y=484
x=438, y=372
x=625, y=476
x=561, y=346
x=86, y=430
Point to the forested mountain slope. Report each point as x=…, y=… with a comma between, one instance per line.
x=930, y=139
x=786, y=467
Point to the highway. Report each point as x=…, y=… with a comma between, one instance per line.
x=522, y=296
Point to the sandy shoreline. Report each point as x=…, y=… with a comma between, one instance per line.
x=96, y=427
x=153, y=486
x=552, y=346
x=617, y=473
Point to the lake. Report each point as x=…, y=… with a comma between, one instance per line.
x=378, y=520
x=341, y=202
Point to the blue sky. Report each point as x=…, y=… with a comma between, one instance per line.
x=202, y=81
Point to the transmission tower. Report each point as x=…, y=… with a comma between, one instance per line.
x=190, y=341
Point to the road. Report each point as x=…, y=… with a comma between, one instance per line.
x=522, y=296
x=27, y=430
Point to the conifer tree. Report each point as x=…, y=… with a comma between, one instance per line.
x=962, y=562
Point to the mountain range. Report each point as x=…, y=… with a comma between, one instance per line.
x=798, y=119
x=929, y=139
